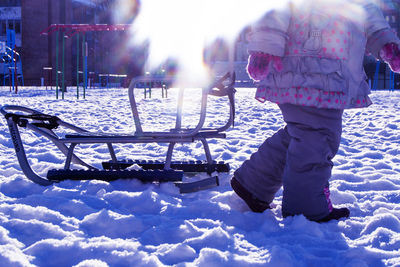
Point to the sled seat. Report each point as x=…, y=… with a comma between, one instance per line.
x=145, y=136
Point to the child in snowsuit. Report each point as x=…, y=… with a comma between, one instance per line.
x=308, y=59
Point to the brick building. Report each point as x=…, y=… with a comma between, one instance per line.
x=107, y=51
x=29, y=18
x=37, y=50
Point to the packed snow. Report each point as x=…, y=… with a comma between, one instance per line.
x=128, y=223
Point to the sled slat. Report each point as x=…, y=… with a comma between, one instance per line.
x=186, y=166
x=198, y=185
x=111, y=175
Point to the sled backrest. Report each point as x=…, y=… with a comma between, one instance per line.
x=224, y=86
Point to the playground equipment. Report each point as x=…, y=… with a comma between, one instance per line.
x=240, y=69
x=12, y=63
x=45, y=125
x=68, y=31
x=91, y=79
x=156, y=81
x=376, y=78
x=47, y=71
x=109, y=80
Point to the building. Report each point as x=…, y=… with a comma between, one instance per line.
x=380, y=75
x=29, y=18
x=10, y=18
x=107, y=51
x=38, y=51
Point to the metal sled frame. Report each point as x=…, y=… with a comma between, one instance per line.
x=44, y=125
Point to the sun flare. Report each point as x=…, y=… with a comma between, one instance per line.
x=181, y=29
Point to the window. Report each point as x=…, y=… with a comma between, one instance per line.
x=17, y=26
x=3, y=27
x=11, y=25
x=13, y=2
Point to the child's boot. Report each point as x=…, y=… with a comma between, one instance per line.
x=336, y=214
x=254, y=204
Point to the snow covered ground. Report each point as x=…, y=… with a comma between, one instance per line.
x=127, y=223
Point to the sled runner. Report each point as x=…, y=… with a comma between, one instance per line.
x=151, y=171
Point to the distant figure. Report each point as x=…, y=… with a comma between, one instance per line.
x=308, y=59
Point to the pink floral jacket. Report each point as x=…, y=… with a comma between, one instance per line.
x=322, y=45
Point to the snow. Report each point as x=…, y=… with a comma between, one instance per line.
x=127, y=223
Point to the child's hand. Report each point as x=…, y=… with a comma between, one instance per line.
x=390, y=53
x=258, y=65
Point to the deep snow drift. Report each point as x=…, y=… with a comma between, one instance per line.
x=127, y=223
